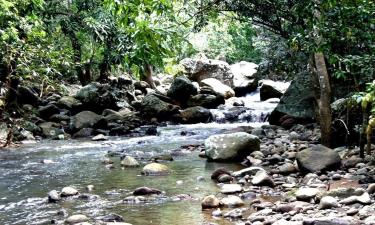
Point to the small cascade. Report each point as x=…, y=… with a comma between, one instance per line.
x=245, y=109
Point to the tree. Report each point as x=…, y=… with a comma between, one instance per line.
x=153, y=31
x=20, y=32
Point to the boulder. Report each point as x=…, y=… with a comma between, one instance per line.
x=155, y=169
x=317, y=159
x=70, y=103
x=231, y=147
x=272, y=89
x=218, y=87
x=47, y=111
x=50, y=130
x=83, y=133
x=154, y=107
x=26, y=95
x=196, y=114
x=206, y=100
x=297, y=102
x=181, y=89
x=129, y=161
x=84, y=119
x=202, y=68
x=96, y=97
x=244, y=77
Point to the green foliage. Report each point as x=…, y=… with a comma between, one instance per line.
x=152, y=30
x=228, y=38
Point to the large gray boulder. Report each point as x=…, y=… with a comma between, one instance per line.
x=202, y=68
x=154, y=107
x=218, y=87
x=231, y=147
x=297, y=102
x=244, y=77
x=272, y=89
x=196, y=114
x=181, y=89
x=96, y=97
x=84, y=119
x=317, y=159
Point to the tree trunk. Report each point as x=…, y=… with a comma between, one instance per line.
x=324, y=102
x=362, y=136
x=83, y=76
x=105, y=65
x=148, y=75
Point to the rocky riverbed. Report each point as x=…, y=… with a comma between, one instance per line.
x=97, y=182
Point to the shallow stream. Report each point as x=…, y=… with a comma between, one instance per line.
x=25, y=181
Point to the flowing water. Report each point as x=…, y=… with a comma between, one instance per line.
x=25, y=181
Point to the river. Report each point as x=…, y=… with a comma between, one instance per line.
x=25, y=181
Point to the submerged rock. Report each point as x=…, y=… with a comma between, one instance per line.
x=155, y=169
x=129, y=161
x=79, y=218
x=146, y=191
x=53, y=196
x=69, y=191
x=231, y=147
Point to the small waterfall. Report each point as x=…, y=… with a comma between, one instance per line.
x=245, y=109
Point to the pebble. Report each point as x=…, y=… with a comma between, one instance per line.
x=210, y=201
x=306, y=194
x=231, y=188
x=232, y=201
x=328, y=202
